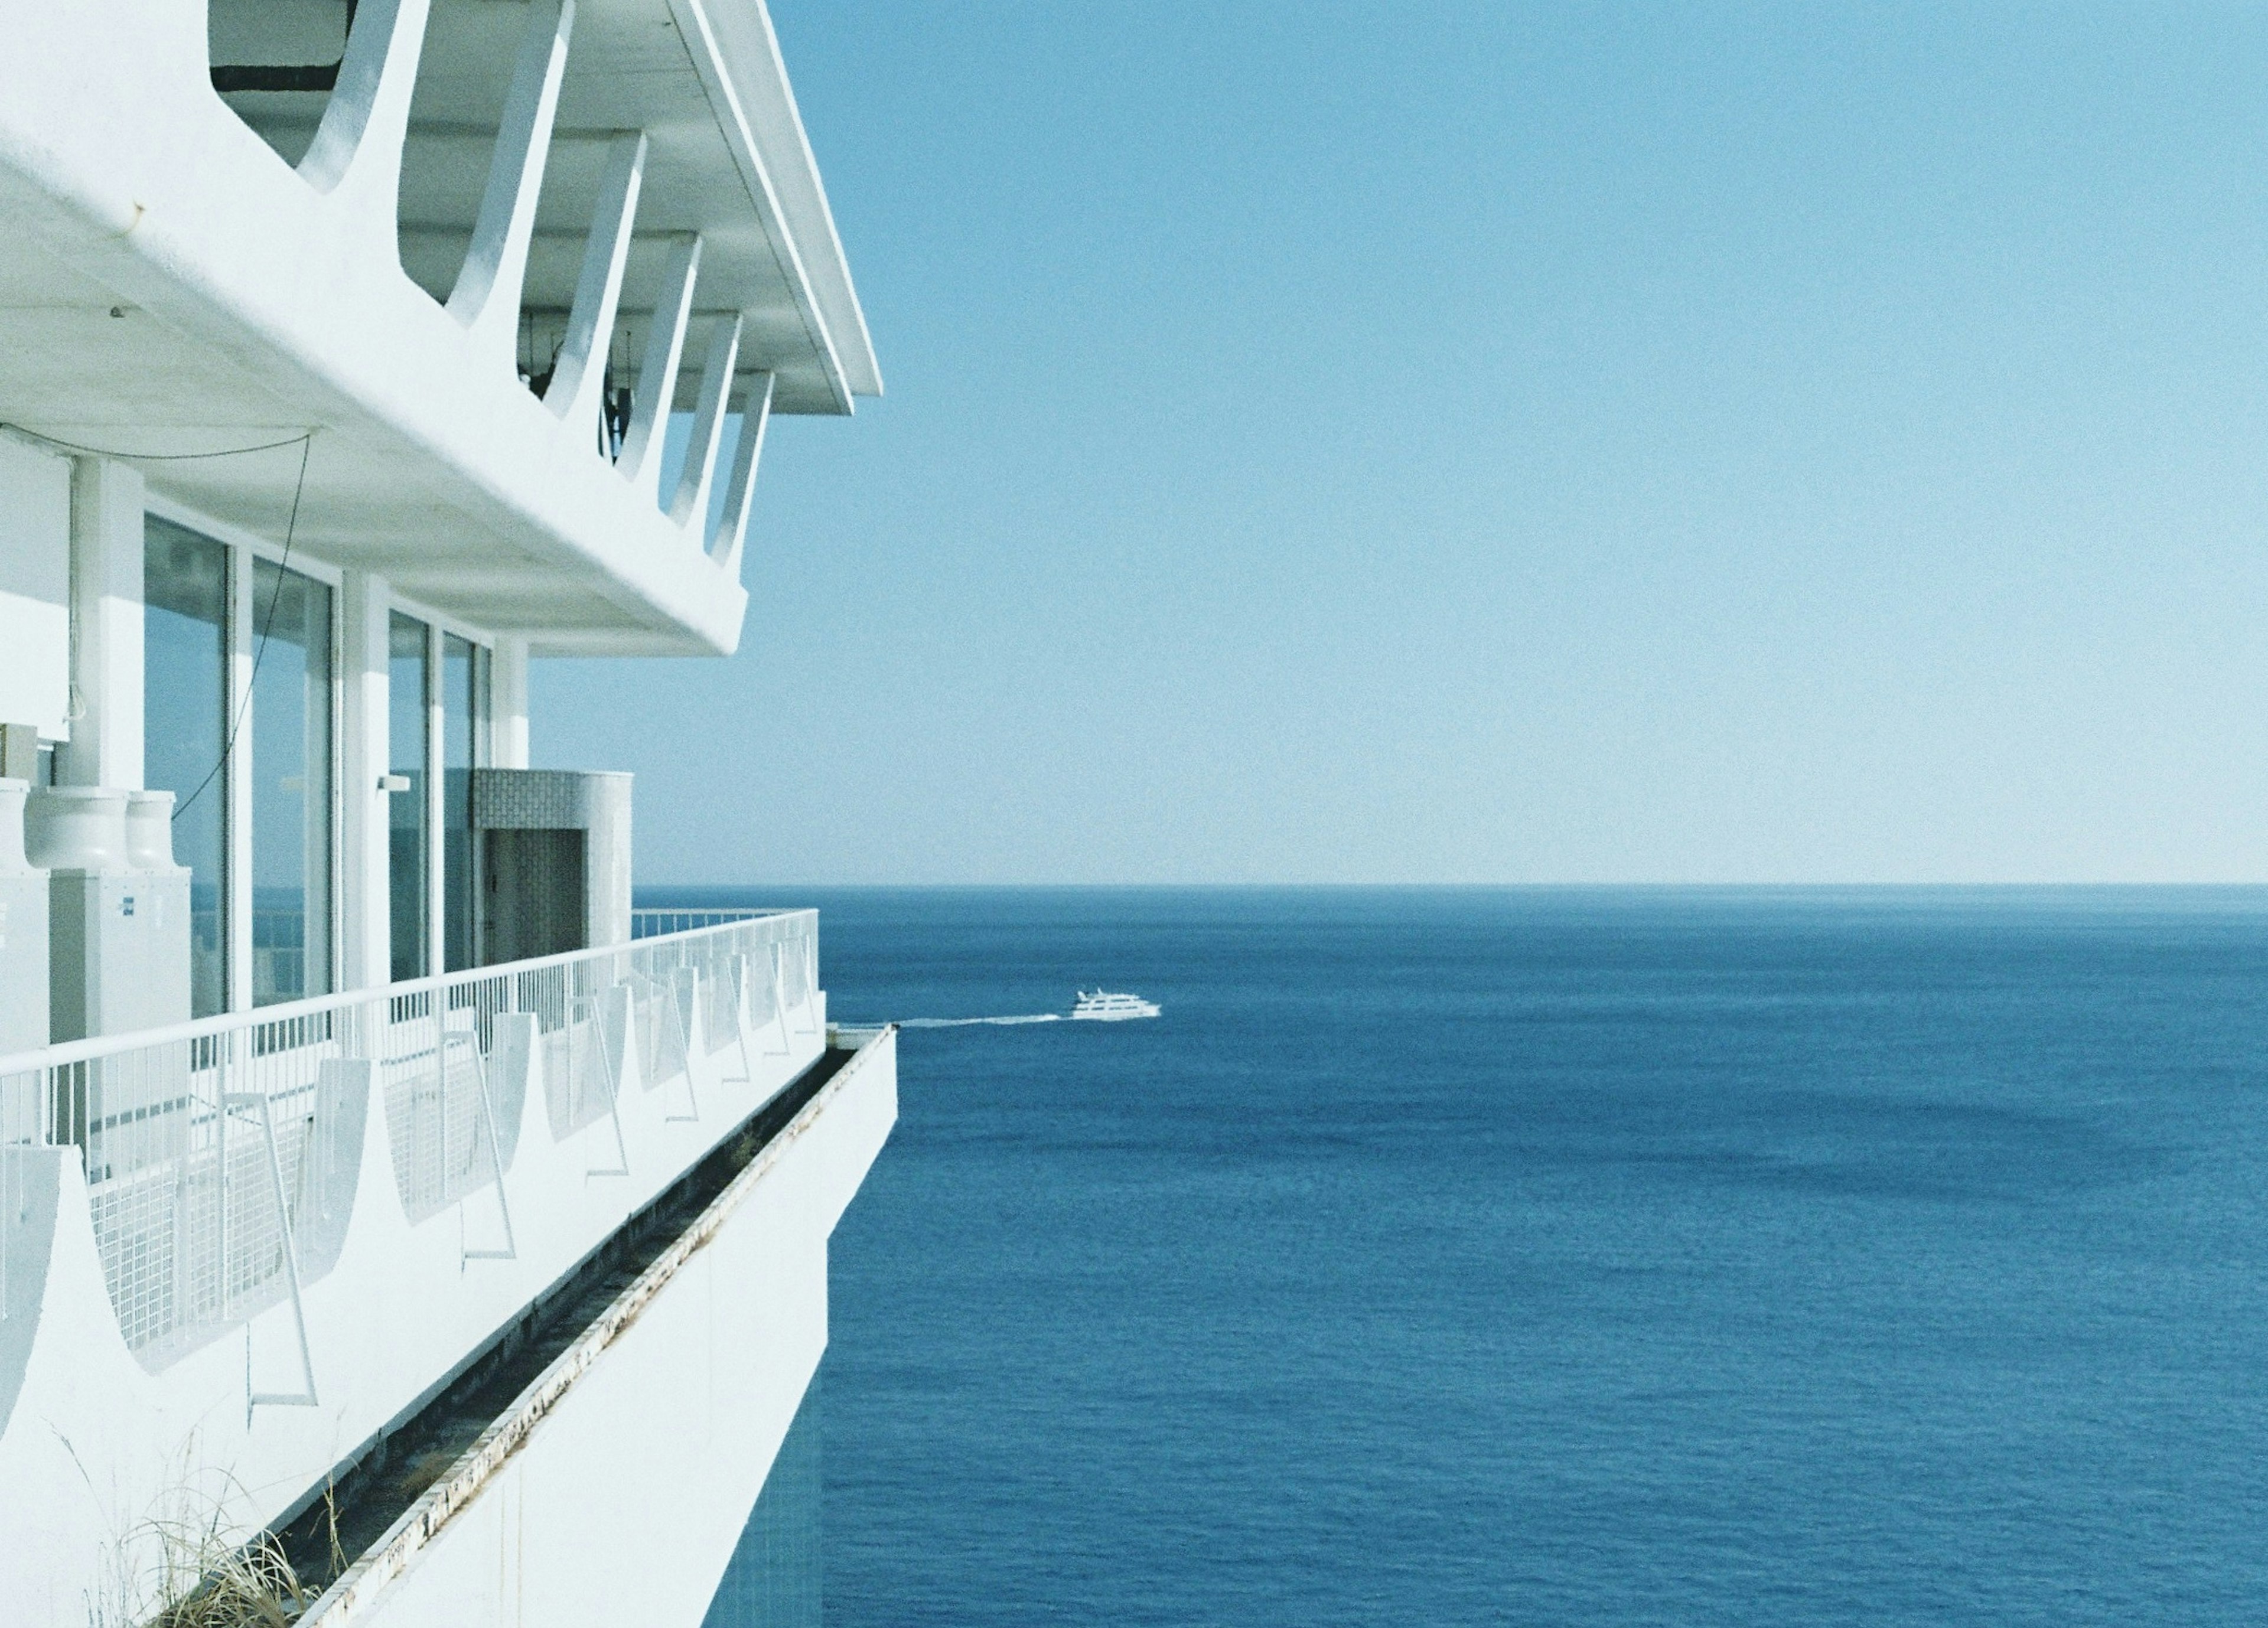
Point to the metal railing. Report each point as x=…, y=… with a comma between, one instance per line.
x=650, y=924
x=221, y=1155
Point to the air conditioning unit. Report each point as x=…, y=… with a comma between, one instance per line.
x=118, y=909
x=23, y=933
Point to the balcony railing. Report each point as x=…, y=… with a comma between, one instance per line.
x=221, y=1155
x=651, y=923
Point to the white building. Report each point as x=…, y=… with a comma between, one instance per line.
x=361, y=1150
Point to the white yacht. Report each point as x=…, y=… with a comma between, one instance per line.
x=1109, y=1008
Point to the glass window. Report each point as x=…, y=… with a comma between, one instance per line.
x=461, y=706
x=408, y=702
x=185, y=701
x=291, y=793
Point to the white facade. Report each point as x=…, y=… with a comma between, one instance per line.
x=351, y=357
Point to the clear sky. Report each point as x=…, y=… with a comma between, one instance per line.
x=1426, y=442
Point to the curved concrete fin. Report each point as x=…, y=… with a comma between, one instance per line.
x=740, y=493
x=689, y=506
x=640, y=460
x=579, y=373
x=355, y=157
x=486, y=297
x=30, y=1187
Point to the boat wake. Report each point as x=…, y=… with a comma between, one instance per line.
x=1092, y=1004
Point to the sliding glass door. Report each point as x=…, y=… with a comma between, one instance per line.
x=238, y=700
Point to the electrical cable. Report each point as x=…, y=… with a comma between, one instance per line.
x=267, y=623
x=307, y=444
x=108, y=452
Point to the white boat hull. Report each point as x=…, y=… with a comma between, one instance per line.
x=1102, y=1007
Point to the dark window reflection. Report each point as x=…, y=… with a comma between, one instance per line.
x=461, y=706
x=409, y=720
x=185, y=698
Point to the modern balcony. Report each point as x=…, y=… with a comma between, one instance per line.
x=237, y=1254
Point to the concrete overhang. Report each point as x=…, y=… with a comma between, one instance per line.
x=177, y=287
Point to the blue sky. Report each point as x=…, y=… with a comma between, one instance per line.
x=1504, y=443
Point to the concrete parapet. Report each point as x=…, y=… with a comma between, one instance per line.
x=96, y=1449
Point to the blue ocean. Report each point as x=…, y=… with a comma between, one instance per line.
x=1560, y=1256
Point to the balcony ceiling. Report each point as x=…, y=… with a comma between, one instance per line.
x=169, y=290
x=727, y=159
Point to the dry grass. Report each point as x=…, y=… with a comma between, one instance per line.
x=250, y=1587
x=194, y=1575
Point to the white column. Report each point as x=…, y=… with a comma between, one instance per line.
x=436, y=855
x=235, y=783
x=106, y=661
x=365, y=900
x=508, y=703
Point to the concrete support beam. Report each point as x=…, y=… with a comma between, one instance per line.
x=740, y=492
x=640, y=459
x=580, y=371
x=689, y=505
x=366, y=926
x=356, y=157
x=105, y=587
x=486, y=297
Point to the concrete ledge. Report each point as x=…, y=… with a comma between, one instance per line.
x=366, y=1591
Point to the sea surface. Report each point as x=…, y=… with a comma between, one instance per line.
x=1558, y=1256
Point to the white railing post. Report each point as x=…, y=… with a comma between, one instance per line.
x=598, y=1027
x=305, y=1398
x=681, y=1013
x=511, y=1250
x=741, y=982
x=222, y=1070
x=779, y=997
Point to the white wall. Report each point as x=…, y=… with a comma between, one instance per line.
x=624, y=1501
x=35, y=512
x=95, y=1447
x=508, y=703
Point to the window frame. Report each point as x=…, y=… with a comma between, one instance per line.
x=439, y=627
x=243, y=637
